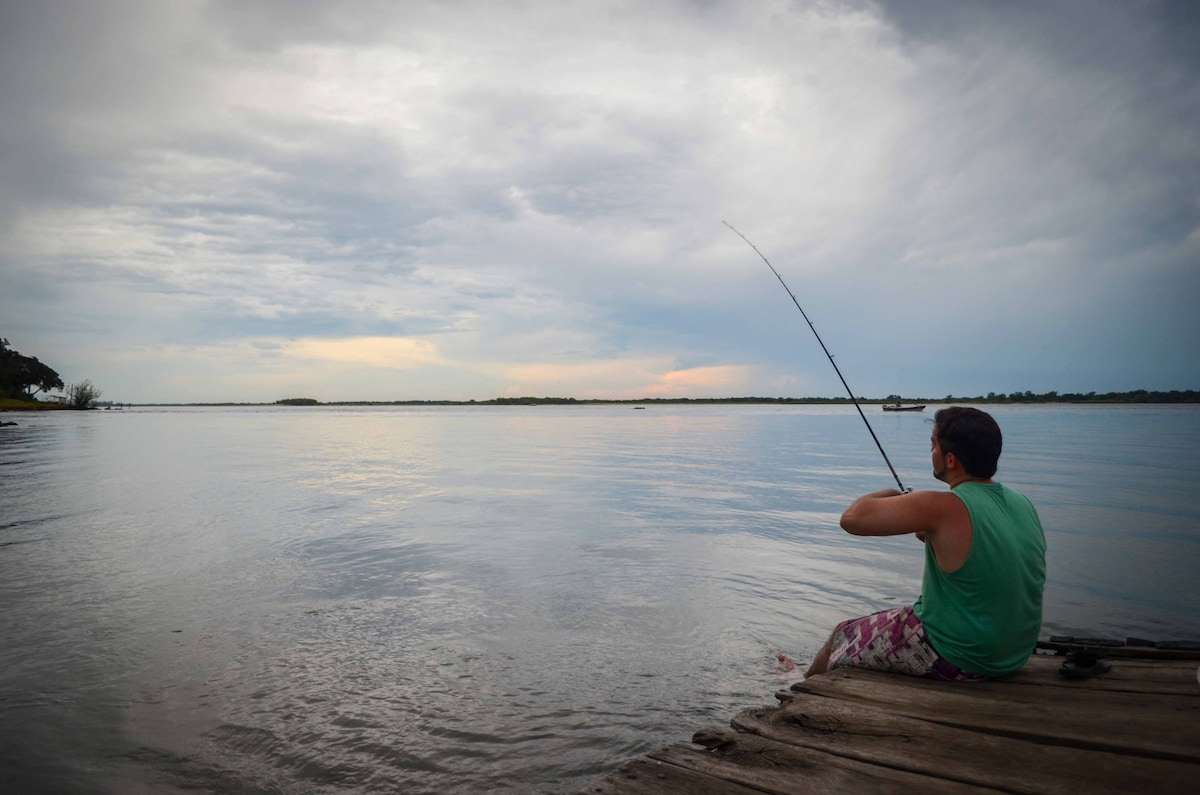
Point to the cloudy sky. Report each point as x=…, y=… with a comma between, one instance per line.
x=246, y=201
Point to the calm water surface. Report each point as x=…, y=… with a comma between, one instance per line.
x=470, y=599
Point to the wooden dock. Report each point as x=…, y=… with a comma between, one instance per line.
x=1133, y=729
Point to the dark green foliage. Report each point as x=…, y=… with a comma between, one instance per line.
x=24, y=376
x=1137, y=396
x=82, y=395
x=298, y=402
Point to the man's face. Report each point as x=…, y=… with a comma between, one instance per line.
x=939, y=460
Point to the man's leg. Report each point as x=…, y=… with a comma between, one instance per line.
x=820, y=663
x=890, y=640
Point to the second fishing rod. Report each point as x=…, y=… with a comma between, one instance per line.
x=827, y=354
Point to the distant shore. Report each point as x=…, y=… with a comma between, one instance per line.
x=1140, y=396
x=10, y=404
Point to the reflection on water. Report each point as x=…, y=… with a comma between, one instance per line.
x=466, y=599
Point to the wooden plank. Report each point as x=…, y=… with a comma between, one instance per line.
x=1181, y=651
x=1154, y=725
x=1135, y=728
x=1174, y=668
x=747, y=764
x=872, y=735
x=789, y=769
x=1127, y=675
x=646, y=776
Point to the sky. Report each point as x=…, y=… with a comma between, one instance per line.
x=250, y=201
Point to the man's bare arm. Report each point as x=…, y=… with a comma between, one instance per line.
x=890, y=512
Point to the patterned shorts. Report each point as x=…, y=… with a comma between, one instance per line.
x=892, y=640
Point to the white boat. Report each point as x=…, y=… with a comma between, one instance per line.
x=902, y=407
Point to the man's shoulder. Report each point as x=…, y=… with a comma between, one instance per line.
x=933, y=496
x=1013, y=495
x=995, y=488
x=939, y=503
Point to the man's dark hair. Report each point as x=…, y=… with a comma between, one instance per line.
x=972, y=435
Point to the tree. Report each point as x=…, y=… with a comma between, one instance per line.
x=82, y=395
x=24, y=376
x=35, y=374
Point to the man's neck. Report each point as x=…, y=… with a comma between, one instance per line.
x=955, y=483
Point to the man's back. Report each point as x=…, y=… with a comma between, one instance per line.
x=985, y=616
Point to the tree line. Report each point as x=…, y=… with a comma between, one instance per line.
x=1136, y=396
x=24, y=377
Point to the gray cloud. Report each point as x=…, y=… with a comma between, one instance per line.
x=966, y=196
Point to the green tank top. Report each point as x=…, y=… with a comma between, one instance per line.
x=986, y=616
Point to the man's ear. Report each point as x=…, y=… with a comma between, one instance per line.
x=951, y=461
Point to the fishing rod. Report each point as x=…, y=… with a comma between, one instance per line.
x=827, y=353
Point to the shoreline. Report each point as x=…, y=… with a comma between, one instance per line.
x=1136, y=397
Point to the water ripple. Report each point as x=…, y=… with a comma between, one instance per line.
x=464, y=600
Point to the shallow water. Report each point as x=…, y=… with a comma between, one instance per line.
x=467, y=599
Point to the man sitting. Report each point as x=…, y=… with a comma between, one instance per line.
x=980, y=609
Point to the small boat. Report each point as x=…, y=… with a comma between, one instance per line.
x=901, y=407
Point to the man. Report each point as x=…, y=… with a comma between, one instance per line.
x=980, y=609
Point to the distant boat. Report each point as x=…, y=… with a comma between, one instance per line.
x=901, y=407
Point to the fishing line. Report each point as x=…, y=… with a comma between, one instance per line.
x=827, y=353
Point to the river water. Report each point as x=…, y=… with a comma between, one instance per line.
x=491, y=599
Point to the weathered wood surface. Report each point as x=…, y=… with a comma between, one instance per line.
x=1177, y=650
x=1133, y=729
x=1129, y=675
